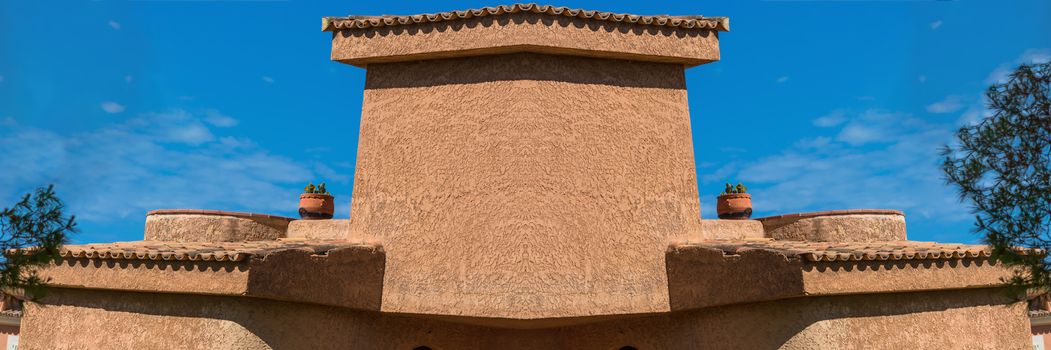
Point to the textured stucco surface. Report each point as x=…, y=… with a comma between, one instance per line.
x=319, y=229
x=349, y=277
x=525, y=32
x=525, y=185
x=160, y=276
x=731, y=229
x=966, y=319
x=701, y=277
x=890, y=276
x=839, y=228
x=212, y=228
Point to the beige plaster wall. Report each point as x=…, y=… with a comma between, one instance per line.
x=731, y=229
x=965, y=319
x=212, y=228
x=319, y=229
x=890, y=276
x=350, y=276
x=525, y=32
x=839, y=228
x=495, y=180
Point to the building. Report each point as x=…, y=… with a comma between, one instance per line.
x=525, y=180
x=1040, y=320
x=10, y=319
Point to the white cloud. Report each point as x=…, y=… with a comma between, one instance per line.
x=114, y=24
x=174, y=126
x=215, y=118
x=268, y=79
x=112, y=107
x=782, y=79
x=872, y=126
x=936, y=24
x=999, y=75
x=877, y=159
x=948, y=105
x=853, y=170
x=236, y=142
x=8, y=121
x=1036, y=56
x=158, y=160
x=829, y=120
x=816, y=142
x=974, y=114
x=1002, y=72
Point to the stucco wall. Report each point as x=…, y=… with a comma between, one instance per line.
x=319, y=229
x=971, y=319
x=860, y=227
x=213, y=228
x=555, y=176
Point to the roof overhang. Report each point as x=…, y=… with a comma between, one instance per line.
x=715, y=273
x=700, y=274
x=363, y=40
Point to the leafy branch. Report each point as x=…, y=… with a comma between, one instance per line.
x=31, y=234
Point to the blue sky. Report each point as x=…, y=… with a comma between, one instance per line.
x=128, y=106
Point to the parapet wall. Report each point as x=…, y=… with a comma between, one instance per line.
x=197, y=225
x=854, y=225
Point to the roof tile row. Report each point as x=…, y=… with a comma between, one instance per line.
x=851, y=251
x=196, y=251
x=686, y=22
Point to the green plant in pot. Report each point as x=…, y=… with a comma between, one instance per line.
x=316, y=203
x=734, y=203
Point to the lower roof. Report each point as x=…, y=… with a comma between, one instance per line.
x=198, y=251
x=852, y=251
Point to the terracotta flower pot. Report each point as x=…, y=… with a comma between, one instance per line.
x=315, y=206
x=734, y=206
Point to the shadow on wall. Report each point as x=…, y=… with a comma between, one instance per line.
x=525, y=66
x=209, y=321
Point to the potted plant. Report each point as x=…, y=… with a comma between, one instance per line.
x=734, y=203
x=316, y=203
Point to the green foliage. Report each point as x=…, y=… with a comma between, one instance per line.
x=320, y=189
x=731, y=189
x=31, y=233
x=1001, y=166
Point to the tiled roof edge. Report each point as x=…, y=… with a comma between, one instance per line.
x=155, y=256
x=227, y=252
x=851, y=252
x=216, y=213
x=685, y=22
x=834, y=213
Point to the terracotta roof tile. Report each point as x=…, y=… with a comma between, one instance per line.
x=196, y=251
x=685, y=22
x=850, y=251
